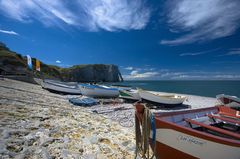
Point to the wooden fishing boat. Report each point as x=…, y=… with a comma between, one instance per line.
x=131, y=94
x=189, y=134
x=98, y=90
x=163, y=98
x=227, y=100
x=61, y=87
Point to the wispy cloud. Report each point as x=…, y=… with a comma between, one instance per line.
x=8, y=32
x=232, y=52
x=91, y=15
x=166, y=74
x=235, y=51
x=58, y=61
x=204, y=76
x=226, y=62
x=198, y=53
x=202, y=20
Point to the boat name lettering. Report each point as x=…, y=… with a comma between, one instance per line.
x=190, y=140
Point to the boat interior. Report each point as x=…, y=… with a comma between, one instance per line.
x=205, y=120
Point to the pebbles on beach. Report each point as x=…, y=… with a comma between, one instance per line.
x=38, y=124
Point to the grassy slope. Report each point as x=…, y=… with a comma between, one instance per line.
x=10, y=59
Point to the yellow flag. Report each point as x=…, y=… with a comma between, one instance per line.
x=37, y=65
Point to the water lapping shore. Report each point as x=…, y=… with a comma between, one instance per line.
x=38, y=124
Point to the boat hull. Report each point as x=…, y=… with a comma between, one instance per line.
x=146, y=95
x=64, y=89
x=98, y=92
x=172, y=143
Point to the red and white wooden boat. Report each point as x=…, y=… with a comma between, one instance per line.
x=190, y=134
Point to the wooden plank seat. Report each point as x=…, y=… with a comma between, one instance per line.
x=230, y=120
x=232, y=134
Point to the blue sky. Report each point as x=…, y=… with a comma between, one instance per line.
x=147, y=39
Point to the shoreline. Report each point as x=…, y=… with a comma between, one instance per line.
x=37, y=123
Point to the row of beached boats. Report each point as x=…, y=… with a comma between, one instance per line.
x=212, y=132
x=125, y=92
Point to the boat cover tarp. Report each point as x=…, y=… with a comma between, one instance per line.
x=83, y=101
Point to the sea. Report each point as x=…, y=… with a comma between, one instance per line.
x=201, y=88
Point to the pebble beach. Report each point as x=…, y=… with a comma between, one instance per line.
x=35, y=123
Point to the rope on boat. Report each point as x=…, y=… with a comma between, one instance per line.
x=143, y=134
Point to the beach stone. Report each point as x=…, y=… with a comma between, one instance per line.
x=65, y=140
x=20, y=156
x=64, y=153
x=45, y=154
x=46, y=142
x=89, y=156
x=2, y=147
x=94, y=139
x=102, y=156
x=18, y=133
x=5, y=134
x=15, y=146
x=125, y=143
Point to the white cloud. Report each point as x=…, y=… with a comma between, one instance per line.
x=133, y=73
x=137, y=75
x=92, y=15
x=203, y=20
x=129, y=68
x=8, y=32
x=58, y=61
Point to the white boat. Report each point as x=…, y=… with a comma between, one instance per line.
x=98, y=90
x=61, y=87
x=170, y=99
x=227, y=100
x=129, y=94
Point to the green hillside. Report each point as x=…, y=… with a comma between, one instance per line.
x=16, y=64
